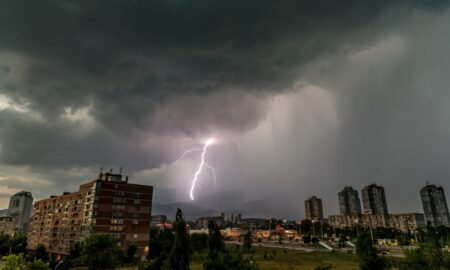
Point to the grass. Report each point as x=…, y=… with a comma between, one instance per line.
x=293, y=260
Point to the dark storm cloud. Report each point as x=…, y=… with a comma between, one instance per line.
x=147, y=73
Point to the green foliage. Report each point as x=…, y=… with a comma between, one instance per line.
x=199, y=242
x=74, y=256
x=101, y=252
x=215, y=241
x=161, y=242
x=306, y=226
x=40, y=253
x=38, y=265
x=179, y=256
x=17, y=262
x=367, y=254
x=307, y=239
x=15, y=244
x=323, y=267
x=248, y=242
x=230, y=261
x=428, y=256
x=131, y=254
x=13, y=262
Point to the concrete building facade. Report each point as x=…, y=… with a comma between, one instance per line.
x=107, y=205
x=313, y=208
x=435, y=205
x=407, y=222
x=374, y=200
x=349, y=202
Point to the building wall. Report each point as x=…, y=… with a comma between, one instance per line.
x=374, y=200
x=404, y=222
x=19, y=210
x=349, y=202
x=116, y=208
x=435, y=205
x=313, y=208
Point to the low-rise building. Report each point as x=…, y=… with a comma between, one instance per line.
x=403, y=222
x=407, y=222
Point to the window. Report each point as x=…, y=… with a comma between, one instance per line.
x=137, y=201
x=117, y=214
x=135, y=215
x=135, y=236
x=118, y=207
x=137, y=195
x=119, y=200
x=135, y=222
x=116, y=228
x=119, y=193
x=116, y=221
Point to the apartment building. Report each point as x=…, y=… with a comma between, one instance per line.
x=107, y=205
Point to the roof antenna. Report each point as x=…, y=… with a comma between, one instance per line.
x=110, y=170
x=120, y=170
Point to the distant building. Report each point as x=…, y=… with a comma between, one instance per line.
x=349, y=203
x=435, y=205
x=254, y=223
x=17, y=216
x=408, y=222
x=374, y=200
x=360, y=220
x=202, y=222
x=108, y=205
x=313, y=208
x=233, y=218
x=158, y=219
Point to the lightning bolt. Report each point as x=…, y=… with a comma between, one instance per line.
x=202, y=165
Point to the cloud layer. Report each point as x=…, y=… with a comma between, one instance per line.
x=85, y=84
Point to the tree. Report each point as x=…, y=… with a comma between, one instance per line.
x=40, y=253
x=101, y=252
x=74, y=255
x=17, y=244
x=17, y=262
x=131, y=254
x=179, y=256
x=368, y=257
x=427, y=256
x=306, y=226
x=199, y=242
x=215, y=241
x=161, y=242
x=248, y=241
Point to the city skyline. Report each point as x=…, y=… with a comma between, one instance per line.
x=300, y=99
x=316, y=207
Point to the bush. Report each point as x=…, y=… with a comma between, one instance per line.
x=101, y=252
x=323, y=267
x=17, y=262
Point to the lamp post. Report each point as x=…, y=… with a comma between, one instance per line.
x=321, y=228
x=357, y=230
x=314, y=229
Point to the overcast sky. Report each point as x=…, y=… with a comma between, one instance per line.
x=303, y=97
